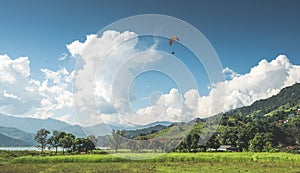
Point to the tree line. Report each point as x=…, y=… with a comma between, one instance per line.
x=66, y=141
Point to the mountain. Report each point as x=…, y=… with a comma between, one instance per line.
x=162, y=123
x=272, y=122
x=15, y=133
x=103, y=140
x=76, y=130
x=99, y=129
x=103, y=129
x=289, y=96
x=6, y=141
x=145, y=131
x=31, y=125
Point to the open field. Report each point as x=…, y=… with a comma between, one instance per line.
x=231, y=167
x=173, y=162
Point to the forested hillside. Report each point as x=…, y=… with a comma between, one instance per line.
x=271, y=124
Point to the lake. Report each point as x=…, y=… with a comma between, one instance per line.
x=35, y=148
x=26, y=148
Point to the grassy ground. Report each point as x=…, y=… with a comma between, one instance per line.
x=181, y=167
x=174, y=162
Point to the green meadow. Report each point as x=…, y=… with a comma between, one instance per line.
x=171, y=162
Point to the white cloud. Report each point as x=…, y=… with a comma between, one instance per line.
x=60, y=77
x=22, y=96
x=76, y=47
x=9, y=95
x=15, y=86
x=13, y=70
x=96, y=87
x=55, y=97
x=263, y=81
x=230, y=74
x=94, y=91
x=62, y=57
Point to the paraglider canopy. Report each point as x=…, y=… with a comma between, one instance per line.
x=173, y=38
x=171, y=41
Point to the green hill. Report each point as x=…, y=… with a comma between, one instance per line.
x=266, y=125
x=15, y=133
x=288, y=100
x=6, y=141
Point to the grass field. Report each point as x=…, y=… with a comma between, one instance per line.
x=173, y=162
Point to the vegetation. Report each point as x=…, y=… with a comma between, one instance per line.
x=41, y=138
x=66, y=141
x=171, y=162
x=271, y=125
x=169, y=157
x=149, y=167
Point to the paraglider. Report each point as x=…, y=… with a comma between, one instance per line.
x=172, y=40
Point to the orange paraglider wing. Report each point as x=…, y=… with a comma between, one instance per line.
x=173, y=38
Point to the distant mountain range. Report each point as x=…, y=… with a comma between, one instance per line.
x=22, y=130
x=31, y=125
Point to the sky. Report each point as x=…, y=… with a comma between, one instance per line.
x=42, y=43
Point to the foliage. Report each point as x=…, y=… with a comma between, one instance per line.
x=41, y=138
x=66, y=141
x=53, y=141
x=83, y=145
x=174, y=157
x=266, y=125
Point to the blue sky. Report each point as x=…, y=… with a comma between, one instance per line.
x=242, y=32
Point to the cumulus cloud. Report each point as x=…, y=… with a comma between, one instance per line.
x=76, y=47
x=106, y=66
x=230, y=74
x=22, y=96
x=12, y=71
x=55, y=96
x=96, y=87
x=15, y=85
x=263, y=81
x=9, y=95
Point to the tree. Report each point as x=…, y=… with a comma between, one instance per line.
x=89, y=145
x=189, y=142
x=245, y=133
x=53, y=141
x=41, y=138
x=116, y=139
x=195, y=142
x=93, y=139
x=213, y=142
x=260, y=142
x=83, y=145
x=66, y=141
x=229, y=136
